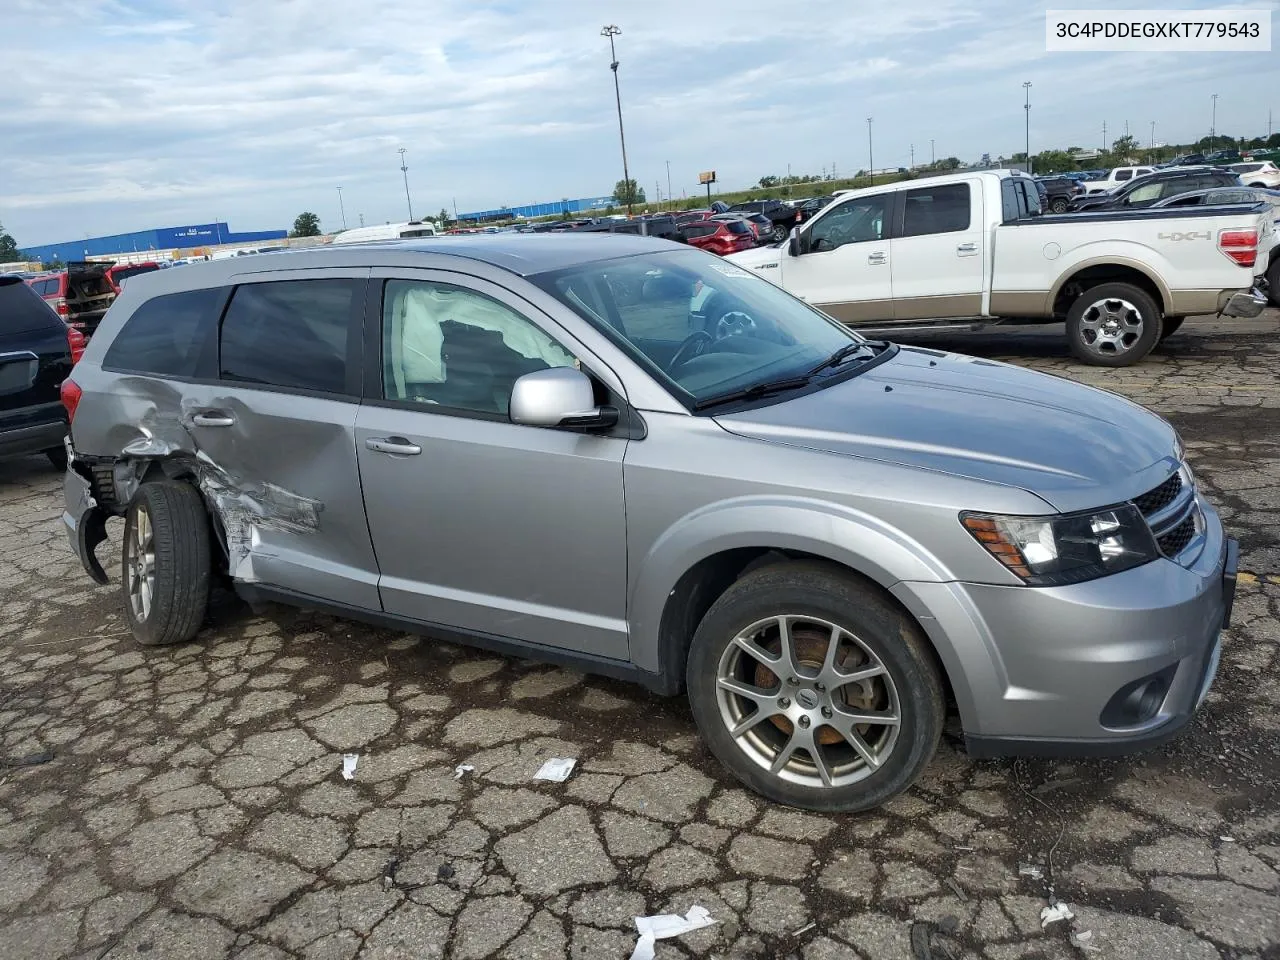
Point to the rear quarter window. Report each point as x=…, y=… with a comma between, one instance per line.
x=166, y=335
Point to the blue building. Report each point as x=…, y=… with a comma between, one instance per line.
x=161, y=238
x=554, y=208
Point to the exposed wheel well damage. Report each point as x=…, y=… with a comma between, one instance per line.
x=703, y=583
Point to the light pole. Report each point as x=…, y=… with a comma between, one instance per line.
x=612, y=31
x=933, y=159
x=913, y=157
x=1027, y=107
x=405, y=170
x=871, y=163
x=1153, y=141
x=669, y=195
x=342, y=209
x=1213, y=123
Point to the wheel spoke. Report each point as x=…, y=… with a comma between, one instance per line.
x=787, y=653
x=757, y=695
x=746, y=723
x=860, y=746
x=886, y=718
x=788, y=750
x=820, y=761
x=752, y=649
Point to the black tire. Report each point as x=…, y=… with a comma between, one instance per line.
x=1273, y=282
x=1059, y=204
x=182, y=562
x=1096, y=306
x=1169, y=326
x=780, y=232
x=58, y=457
x=821, y=592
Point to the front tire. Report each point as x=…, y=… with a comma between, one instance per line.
x=814, y=689
x=166, y=563
x=1113, y=325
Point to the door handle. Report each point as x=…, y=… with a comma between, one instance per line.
x=393, y=445
x=213, y=418
x=967, y=248
x=877, y=257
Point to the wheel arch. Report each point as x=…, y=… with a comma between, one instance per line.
x=1090, y=273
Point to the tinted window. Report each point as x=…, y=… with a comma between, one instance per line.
x=943, y=209
x=165, y=335
x=1028, y=199
x=738, y=226
x=1146, y=193
x=699, y=229
x=290, y=333
x=853, y=221
x=1122, y=175
x=1009, y=201
x=21, y=309
x=121, y=274
x=454, y=347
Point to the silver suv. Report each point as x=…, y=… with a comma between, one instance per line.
x=639, y=459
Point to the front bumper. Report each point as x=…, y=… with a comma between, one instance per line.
x=1245, y=305
x=1104, y=667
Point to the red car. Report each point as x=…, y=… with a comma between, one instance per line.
x=121, y=272
x=718, y=236
x=760, y=225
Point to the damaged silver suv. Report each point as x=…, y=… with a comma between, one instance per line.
x=638, y=459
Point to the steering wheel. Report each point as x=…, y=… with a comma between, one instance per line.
x=734, y=322
x=693, y=345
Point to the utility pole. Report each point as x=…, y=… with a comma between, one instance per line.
x=1268, y=123
x=405, y=170
x=933, y=159
x=1104, y=136
x=871, y=163
x=1027, y=107
x=455, y=209
x=362, y=219
x=657, y=192
x=1153, y=141
x=342, y=209
x=913, y=158
x=612, y=31
x=1213, y=123
x=669, y=194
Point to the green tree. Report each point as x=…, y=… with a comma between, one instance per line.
x=8, y=247
x=1122, y=148
x=443, y=215
x=769, y=181
x=1053, y=161
x=307, y=224
x=949, y=163
x=628, y=192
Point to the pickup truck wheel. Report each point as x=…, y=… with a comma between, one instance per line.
x=1273, y=282
x=1059, y=204
x=813, y=689
x=1113, y=325
x=1169, y=326
x=166, y=563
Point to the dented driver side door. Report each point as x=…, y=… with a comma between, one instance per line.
x=274, y=435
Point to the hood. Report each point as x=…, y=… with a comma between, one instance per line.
x=1073, y=446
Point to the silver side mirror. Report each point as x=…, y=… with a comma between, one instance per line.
x=793, y=242
x=559, y=397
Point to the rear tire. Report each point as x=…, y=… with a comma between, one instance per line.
x=58, y=457
x=1169, y=326
x=1059, y=205
x=166, y=563
x=1113, y=325
x=799, y=743
x=1273, y=282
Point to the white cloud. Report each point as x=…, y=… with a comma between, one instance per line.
x=182, y=110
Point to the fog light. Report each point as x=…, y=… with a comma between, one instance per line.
x=1138, y=701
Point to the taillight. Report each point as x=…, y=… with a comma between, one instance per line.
x=70, y=395
x=60, y=305
x=1240, y=245
x=76, y=342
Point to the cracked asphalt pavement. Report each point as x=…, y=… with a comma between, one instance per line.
x=188, y=802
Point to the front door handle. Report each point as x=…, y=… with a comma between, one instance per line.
x=966, y=249
x=393, y=445
x=213, y=418
x=877, y=257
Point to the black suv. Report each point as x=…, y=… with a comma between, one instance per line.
x=1058, y=192
x=37, y=352
x=1161, y=185
x=781, y=215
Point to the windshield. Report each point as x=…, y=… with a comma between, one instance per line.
x=702, y=325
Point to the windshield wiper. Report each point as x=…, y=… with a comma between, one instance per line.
x=843, y=354
x=754, y=392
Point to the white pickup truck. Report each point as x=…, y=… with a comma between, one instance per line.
x=1117, y=177
x=969, y=249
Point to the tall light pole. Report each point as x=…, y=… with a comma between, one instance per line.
x=669, y=194
x=933, y=159
x=1153, y=141
x=913, y=157
x=1027, y=107
x=405, y=170
x=612, y=31
x=1104, y=136
x=1213, y=123
x=342, y=209
x=871, y=163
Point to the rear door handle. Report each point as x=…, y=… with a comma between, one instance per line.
x=214, y=418
x=877, y=257
x=393, y=445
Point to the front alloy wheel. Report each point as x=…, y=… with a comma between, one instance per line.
x=808, y=701
x=140, y=565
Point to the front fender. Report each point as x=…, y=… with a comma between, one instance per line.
x=843, y=535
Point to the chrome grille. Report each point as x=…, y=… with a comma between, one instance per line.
x=1171, y=512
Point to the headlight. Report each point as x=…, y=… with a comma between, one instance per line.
x=1054, y=551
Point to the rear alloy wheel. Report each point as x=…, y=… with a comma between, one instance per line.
x=813, y=689
x=1113, y=325
x=166, y=563
x=1059, y=204
x=780, y=232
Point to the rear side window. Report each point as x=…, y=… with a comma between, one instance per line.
x=21, y=309
x=700, y=230
x=166, y=335
x=738, y=226
x=1122, y=175
x=943, y=209
x=290, y=333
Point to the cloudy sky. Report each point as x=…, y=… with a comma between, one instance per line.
x=119, y=115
